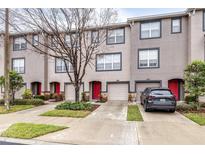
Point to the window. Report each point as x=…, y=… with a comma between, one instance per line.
x=176, y=25
x=116, y=36
x=148, y=58
x=35, y=40
x=18, y=65
x=19, y=43
x=160, y=92
x=54, y=41
x=106, y=62
x=95, y=36
x=150, y=30
x=75, y=40
x=60, y=66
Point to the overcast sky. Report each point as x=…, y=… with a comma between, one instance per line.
x=133, y=12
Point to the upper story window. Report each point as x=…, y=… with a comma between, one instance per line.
x=60, y=66
x=176, y=25
x=116, y=36
x=148, y=58
x=72, y=40
x=35, y=40
x=150, y=29
x=18, y=65
x=19, y=43
x=54, y=41
x=108, y=62
x=95, y=36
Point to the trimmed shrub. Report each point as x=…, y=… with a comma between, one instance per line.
x=74, y=106
x=103, y=98
x=35, y=102
x=189, y=99
x=58, y=97
x=39, y=97
x=46, y=97
x=84, y=97
x=1, y=101
x=27, y=94
x=184, y=107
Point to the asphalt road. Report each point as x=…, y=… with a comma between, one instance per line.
x=9, y=143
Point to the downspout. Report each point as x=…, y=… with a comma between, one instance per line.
x=46, y=66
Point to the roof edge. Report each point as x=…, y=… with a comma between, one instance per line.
x=158, y=16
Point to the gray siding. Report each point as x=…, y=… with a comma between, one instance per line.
x=173, y=53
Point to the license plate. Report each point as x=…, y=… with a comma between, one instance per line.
x=162, y=100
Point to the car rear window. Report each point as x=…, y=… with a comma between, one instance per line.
x=161, y=92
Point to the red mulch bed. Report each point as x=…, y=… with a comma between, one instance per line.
x=202, y=110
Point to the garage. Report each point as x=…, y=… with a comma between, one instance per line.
x=142, y=85
x=118, y=91
x=70, y=92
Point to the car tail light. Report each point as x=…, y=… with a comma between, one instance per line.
x=151, y=97
x=173, y=98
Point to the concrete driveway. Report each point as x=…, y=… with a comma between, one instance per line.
x=106, y=125
x=169, y=128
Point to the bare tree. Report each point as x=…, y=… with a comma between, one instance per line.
x=73, y=35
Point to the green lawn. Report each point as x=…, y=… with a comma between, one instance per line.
x=67, y=113
x=133, y=113
x=15, y=108
x=199, y=118
x=30, y=130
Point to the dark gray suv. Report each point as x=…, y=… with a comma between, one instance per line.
x=158, y=98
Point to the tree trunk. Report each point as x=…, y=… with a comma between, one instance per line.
x=77, y=93
x=13, y=97
x=7, y=60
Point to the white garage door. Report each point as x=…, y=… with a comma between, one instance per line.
x=118, y=92
x=20, y=92
x=70, y=92
x=140, y=87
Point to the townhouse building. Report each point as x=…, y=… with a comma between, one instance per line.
x=149, y=51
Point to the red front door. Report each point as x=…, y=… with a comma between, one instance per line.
x=39, y=88
x=174, y=87
x=96, y=90
x=57, y=88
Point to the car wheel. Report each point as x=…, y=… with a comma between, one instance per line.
x=172, y=111
x=145, y=107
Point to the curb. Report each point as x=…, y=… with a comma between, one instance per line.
x=28, y=141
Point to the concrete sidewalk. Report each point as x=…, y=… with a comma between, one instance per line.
x=106, y=125
x=32, y=116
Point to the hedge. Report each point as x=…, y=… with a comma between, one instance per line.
x=35, y=102
x=74, y=106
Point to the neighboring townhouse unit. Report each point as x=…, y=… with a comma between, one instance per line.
x=150, y=51
x=110, y=74
x=159, y=49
